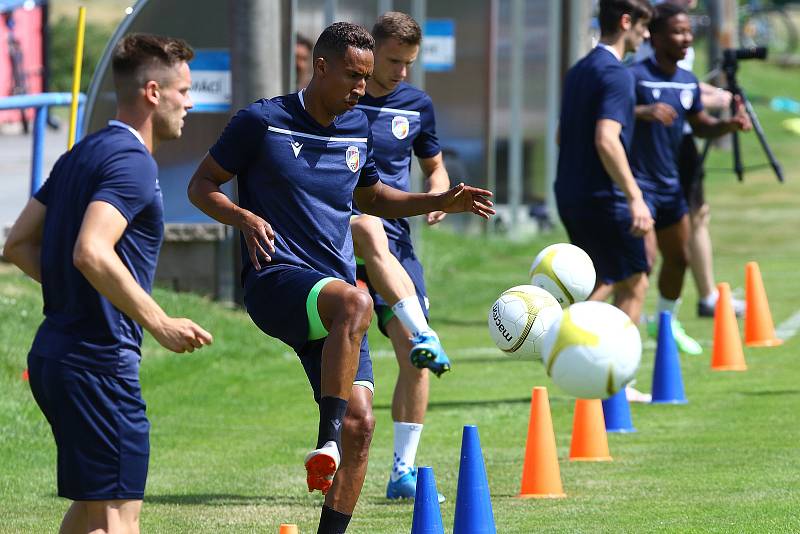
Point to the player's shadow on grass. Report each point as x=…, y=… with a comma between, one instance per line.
x=224, y=499
x=771, y=392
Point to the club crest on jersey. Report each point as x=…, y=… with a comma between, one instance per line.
x=656, y=93
x=400, y=127
x=687, y=98
x=352, y=158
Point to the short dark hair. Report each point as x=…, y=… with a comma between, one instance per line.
x=303, y=41
x=661, y=15
x=612, y=10
x=396, y=25
x=137, y=52
x=336, y=38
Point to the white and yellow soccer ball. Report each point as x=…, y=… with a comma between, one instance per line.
x=592, y=351
x=520, y=317
x=565, y=271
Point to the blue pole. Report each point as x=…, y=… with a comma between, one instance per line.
x=79, y=122
x=39, y=124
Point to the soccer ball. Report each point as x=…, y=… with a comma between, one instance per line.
x=519, y=318
x=592, y=350
x=565, y=271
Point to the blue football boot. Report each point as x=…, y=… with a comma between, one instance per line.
x=405, y=487
x=427, y=352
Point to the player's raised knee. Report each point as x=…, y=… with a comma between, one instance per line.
x=360, y=425
x=357, y=306
x=368, y=233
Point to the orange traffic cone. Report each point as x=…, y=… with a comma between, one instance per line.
x=287, y=528
x=589, y=440
x=727, y=353
x=541, y=477
x=758, y=328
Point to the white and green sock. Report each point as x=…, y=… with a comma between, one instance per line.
x=671, y=306
x=410, y=313
x=406, y=441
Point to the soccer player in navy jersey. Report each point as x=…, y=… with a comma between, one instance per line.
x=690, y=169
x=668, y=96
x=403, y=125
x=598, y=199
x=91, y=236
x=300, y=161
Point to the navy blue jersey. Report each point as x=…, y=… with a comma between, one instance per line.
x=81, y=327
x=654, y=154
x=299, y=176
x=402, y=122
x=596, y=87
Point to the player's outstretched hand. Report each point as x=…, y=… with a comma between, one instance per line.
x=464, y=198
x=642, y=219
x=181, y=335
x=741, y=120
x=661, y=112
x=435, y=217
x=258, y=234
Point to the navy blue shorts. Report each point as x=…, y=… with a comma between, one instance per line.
x=276, y=302
x=601, y=227
x=100, y=428
x=405, y=255
x=667, y=207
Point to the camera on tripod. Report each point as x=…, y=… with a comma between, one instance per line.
x=730, y=64
x=732, y=55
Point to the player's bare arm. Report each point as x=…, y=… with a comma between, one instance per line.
x=612, y=155
x=436, y=181
x=714, y=98
x=205, y=193
x=658, y=112
x=384, y=201
x=96, y=258
x=704, y=125
x=23, y=247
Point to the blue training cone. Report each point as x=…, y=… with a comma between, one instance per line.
x=667, y=381
x=427, y=515
x=473, y=505
x=617, y=413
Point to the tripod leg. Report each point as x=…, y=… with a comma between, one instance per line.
x=737, y=158
x=763, y=139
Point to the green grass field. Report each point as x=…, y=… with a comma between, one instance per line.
x=231, y=423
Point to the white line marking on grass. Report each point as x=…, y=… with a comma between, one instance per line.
x=387, y=354
x=788, y=328
x=469, y=351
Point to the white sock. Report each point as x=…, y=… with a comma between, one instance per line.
x=711, y=299
x=411, y=315
x=669, y=305
x=406, y=441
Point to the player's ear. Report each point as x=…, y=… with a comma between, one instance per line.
x=625, y=22
x=151, y=92
x=320, y=66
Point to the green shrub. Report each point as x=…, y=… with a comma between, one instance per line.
x=61, y=51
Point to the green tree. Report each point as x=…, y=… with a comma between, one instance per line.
x=61, y=51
